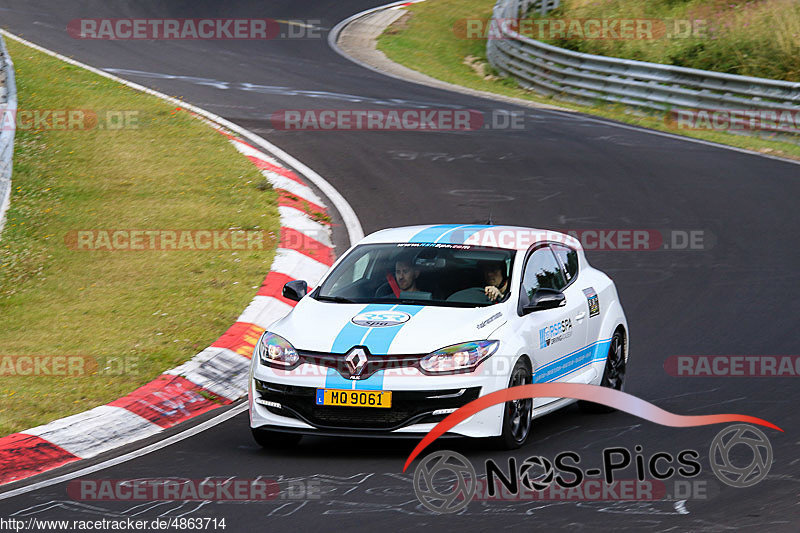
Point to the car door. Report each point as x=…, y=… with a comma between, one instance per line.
x=555, y=337
x=581, y=287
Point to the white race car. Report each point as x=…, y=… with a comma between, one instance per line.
x=412, y=323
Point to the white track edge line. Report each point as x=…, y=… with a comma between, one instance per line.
x=230, y=413
x=349, y=217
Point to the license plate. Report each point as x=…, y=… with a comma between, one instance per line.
x=354, y=398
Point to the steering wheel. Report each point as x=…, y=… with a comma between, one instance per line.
x=472, y=295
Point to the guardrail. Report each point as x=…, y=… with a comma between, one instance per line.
x=588, y=78
x=8, y=111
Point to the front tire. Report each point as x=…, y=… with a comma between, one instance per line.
x=517, y=414
x=274, y=440
x=613, y=375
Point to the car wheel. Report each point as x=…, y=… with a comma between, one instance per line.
x=275, y=439
x=613, y=375
x=517, y=415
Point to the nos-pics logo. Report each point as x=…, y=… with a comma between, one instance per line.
x=446, y=481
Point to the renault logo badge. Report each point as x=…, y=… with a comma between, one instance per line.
x=356, y=361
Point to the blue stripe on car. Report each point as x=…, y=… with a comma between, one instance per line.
x=432, y=233
x=351, y=334
x=334, y=380
x=572, y=362
x=378, y=341
x=461, y=233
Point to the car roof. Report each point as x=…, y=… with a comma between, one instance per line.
x=507, y=237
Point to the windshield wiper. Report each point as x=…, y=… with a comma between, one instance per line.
x=337, y=299
x=414, y=301
x=436, y=303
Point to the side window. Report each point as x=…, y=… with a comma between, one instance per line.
x=568, y=258
x=360, y=268
x=542, y=271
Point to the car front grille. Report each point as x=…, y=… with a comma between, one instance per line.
x=408, y=407
x=374, y=363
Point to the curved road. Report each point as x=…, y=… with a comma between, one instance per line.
x=736, y=296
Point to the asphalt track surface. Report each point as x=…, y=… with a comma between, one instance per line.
x=735, y=297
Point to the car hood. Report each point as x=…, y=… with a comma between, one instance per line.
x=384, y=328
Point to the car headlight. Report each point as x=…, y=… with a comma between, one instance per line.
x=464, y=357
x=275, y=351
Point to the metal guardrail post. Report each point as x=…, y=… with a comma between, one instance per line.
x=589, y=79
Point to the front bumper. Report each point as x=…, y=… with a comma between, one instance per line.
x=285, y=401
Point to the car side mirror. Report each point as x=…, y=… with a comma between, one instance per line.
x=544, y=299
x=295, y=290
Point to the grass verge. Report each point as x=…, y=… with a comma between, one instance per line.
x=136, y=313
x=746, y=37
x=424, y=40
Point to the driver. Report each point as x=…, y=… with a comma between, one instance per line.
x=494, y=275
x=406, y=275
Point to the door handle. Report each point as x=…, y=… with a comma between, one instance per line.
x=581, y=316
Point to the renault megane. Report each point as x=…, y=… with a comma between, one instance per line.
x=412, y=323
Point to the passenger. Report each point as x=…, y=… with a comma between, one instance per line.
x=494, y=275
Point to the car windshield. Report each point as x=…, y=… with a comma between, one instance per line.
x=452, y=275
